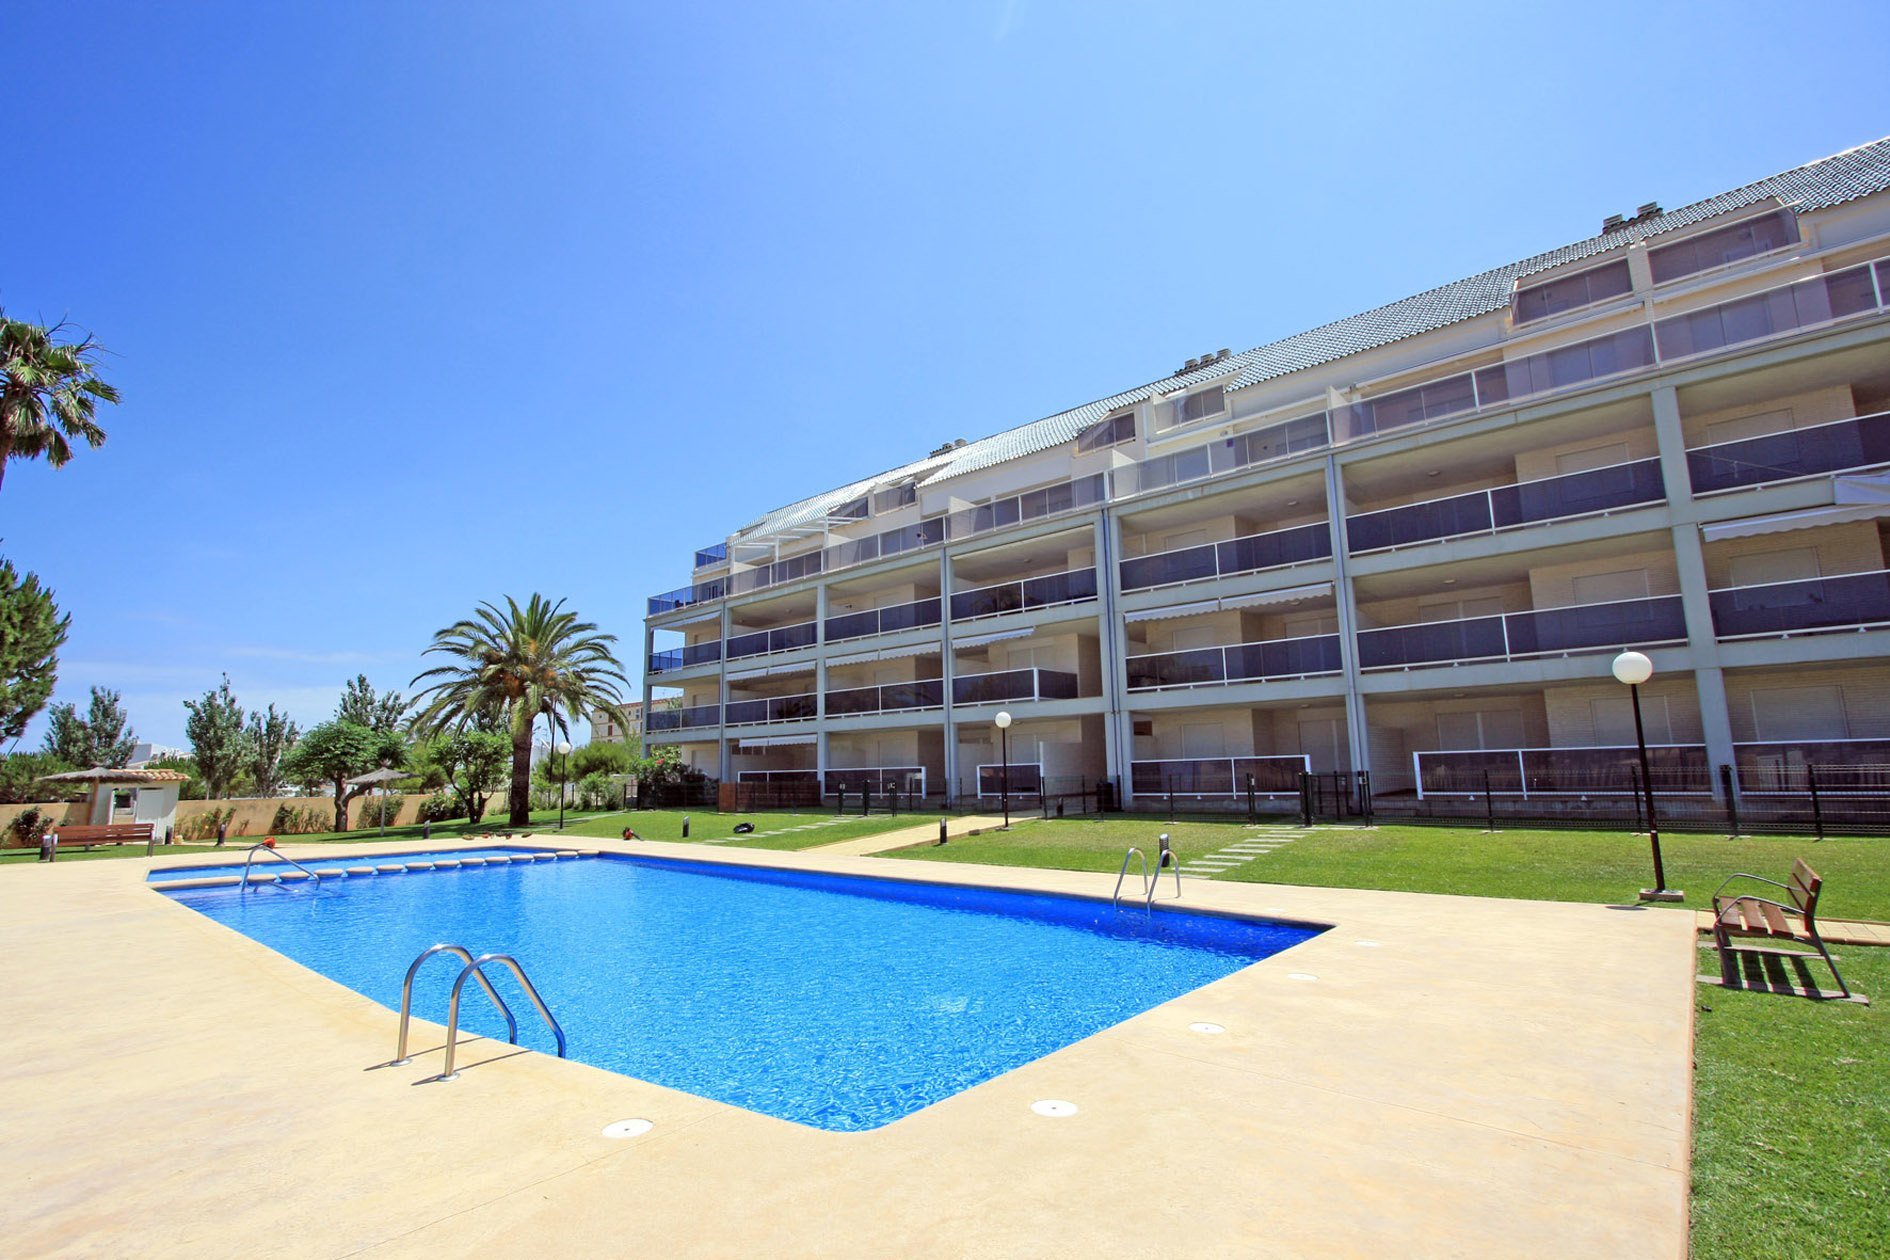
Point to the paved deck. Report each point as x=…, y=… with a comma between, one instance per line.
x=1483, y=1078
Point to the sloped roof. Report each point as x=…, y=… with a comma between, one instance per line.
x=1827, y=182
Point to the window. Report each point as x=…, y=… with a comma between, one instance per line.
x=1203, y=739
x=1723, y=245
x=1613, y=719
x=1584, y=288
x=1494, y=728
x=1609, y=588
x=1799, y=713
x=1591, y=458
x=893, y=498
x=852, y=510
x=1111, y=431
x=1199, y=406
x=1738, y=430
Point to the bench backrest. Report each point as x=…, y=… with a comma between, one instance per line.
x=113, y=831
x=1805, y=884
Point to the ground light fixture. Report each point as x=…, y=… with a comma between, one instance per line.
x=1633, y=668
x=564, y=773
x=1004, y=779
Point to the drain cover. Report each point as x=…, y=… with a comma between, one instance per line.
x=1206, y=1028
x=628, y=1128
x=1053, y=1107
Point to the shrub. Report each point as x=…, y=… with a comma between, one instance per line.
x=204, y=825
x=597, y=791
x=379, y=811
x=299, y=820
x=28, y=826
x=439, y=808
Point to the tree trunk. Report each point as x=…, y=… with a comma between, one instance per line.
x=341, y=804
x=521, y=799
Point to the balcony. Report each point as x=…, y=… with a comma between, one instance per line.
x=1600, y=771
x=1006, y=686
x=864, y=625
x=1786, y=309
x=1019, y=778
x=1250, y=553
x=1781, y=608
x=772, y=709
x=1069, y=587
x=1219, y=776
x=1508, y=636
x=780, y=639
x=684, y=597
x=1212, y=459
x=880, y=780
x=922, y=693
x=709, y=557
x=1838, y=767
x=1067, y=496
x=1505, y=507
x=1240, y=662
x=673, y=659
x=691, y=718
x=1839, y=446
x=777, y=776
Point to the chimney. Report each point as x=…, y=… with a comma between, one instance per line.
x=1648, y=211
x=1612, y=223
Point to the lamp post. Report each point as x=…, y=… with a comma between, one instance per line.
x=564, y=773
x=1633, y=668
x=1004, y=779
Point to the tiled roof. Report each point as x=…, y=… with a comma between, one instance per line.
x=1830, y=181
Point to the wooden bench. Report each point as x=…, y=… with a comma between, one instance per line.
x=113, y=833
x=1794, y=920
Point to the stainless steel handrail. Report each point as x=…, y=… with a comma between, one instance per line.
x=476, y=968
x=406, y=999
x=1166, y=858
x=272, y=850
x=1123, y=874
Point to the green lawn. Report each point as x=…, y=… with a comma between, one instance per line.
x=1792, y=1097
x=710, y=827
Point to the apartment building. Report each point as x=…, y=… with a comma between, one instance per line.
x=1409, y=542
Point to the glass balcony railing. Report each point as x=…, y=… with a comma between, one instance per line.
x=1239, y=662
x=771, y=709
x=1840, y=445
x=880, y=780
x=1788, y=308
x=685, y=719
x=1604, y=771
x=1068, y=496
x=1013, y=684
x=1212, y=459
x=1581, y=628
x=708, y=556
x=1251, y=553
x=1019, y=778
x=1218, y=776
x=686, y=596
x=1504, y=507
x=1824, y=603
x=917, y=615
x=1069, y=587
x=920, y=693
x=780, y=639
x=1839, y=767
x=673, y=659
x=777, y=776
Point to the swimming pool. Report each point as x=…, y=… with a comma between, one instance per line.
x=839, y=1002
x=337, y=866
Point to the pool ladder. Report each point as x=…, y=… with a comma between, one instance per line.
x=474, y=969
x=1150, y=883
x=271, y=850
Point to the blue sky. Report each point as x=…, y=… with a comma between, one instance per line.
x=418, y=305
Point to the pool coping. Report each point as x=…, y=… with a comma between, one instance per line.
x=1449, y=1089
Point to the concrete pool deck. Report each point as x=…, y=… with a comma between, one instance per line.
x=1463, y=1077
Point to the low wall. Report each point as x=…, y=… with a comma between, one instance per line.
x=253, y=814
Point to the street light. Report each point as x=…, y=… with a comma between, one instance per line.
x=564, y=773
x=1633, y=668
x=1004, y=781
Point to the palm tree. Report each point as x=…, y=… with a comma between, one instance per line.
x=48, y=393
x=520, y=662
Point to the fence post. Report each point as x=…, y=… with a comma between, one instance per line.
x=841, y=809
x=1253, y=813
x=1489, y=805
x=1365, y=797
x=685, y=826
x=1732, y=802
x=1817, y=808
x=1305, y=798
x=866, y=800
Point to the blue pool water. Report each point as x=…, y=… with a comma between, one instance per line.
x=837, y=1002
x=270, y=866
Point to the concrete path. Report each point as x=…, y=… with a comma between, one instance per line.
x=921, y=834
x=1432, y=1076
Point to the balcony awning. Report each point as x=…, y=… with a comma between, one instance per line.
x=1808, y=518
x=1287, y=595
x=1173, y=610
x=711, y=613
x=979, y=640
x=777, y=741
x=884, y=654
x=803, y=667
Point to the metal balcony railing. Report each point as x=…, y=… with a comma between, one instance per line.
x=685, y=719
x=921, y=693
x=916, y=615
x=1218, y=776
x=1504, y=507
x=771, y=709
x=672, y=659
x=1505, y=636
x=1836, y=446
x=1013, y=684
x=1823, y=603
x=1069, y=587
x=1609, y=770
x=1236, y=662
x=707, y=556
x=1249, y=553
x=779, y=639
x=881, y=780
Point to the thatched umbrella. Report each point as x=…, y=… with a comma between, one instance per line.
x=380, y=778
